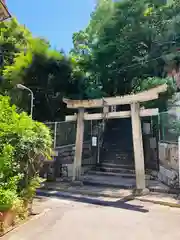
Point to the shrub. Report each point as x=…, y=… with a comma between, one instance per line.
x=24, y=144
x=7, y=199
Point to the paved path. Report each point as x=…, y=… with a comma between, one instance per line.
x=100, y=219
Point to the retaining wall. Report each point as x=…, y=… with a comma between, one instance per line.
x=169, y=166
x=64, y=155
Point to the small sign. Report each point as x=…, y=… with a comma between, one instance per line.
x=113, y=108
x=94, y=141
x=153, y=144
x=147, y=128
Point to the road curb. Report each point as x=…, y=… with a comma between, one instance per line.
x=67, y=193
x=159, y=202
x=131, y=187
x=58, y=192
x=22, y=223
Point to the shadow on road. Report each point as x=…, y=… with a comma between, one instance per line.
x=123, y=204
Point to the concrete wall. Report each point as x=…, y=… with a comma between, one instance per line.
x=169, y=166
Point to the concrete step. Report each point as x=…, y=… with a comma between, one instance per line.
x=121, y=166
x=114, y=170
x=110, y=155
x=113, y=156
x=108, y=167
x=117, y=160
x=117, y=149
x=119, y=182
x=119, y=174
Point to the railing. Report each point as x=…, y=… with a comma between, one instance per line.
x=64, y=133
x=64, y=137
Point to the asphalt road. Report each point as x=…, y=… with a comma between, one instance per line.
x=106, y=219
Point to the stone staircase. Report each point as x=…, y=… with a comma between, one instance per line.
x=117, y=150
x=116, y=156
x=116, y=167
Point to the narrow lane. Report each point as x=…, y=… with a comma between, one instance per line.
x=66, y=219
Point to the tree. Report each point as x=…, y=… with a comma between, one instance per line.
x=84, y=42
x=50, y=74
x=131, y=46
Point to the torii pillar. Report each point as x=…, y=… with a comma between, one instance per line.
x=138, y=147
x=78, y=145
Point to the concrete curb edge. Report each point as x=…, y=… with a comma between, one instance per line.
x=159, y=202
x=66, y=193
x=58, y=192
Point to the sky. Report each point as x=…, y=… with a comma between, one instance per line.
x=55, y=20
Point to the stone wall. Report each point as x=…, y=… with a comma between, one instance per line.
x=169, y=166
x=65, y=156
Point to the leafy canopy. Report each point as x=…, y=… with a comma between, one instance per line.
x=129, y=44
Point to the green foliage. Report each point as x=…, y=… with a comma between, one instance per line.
x=24, y=144
x=125, y=44
x=29, y=191
x=7, y=199
x=174, y=128
x=49, y=73
x=151, y=82
x=128, y=47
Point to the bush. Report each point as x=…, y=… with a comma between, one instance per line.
x=7, y=199
x=24, y=144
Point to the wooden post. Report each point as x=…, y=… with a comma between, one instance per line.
x=79, y=145
x=138, y=146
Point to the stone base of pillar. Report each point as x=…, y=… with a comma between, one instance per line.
x=141, y=192
x=76, y=173
x=77, y=183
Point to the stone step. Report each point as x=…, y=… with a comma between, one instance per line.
x=119, y=174
x=114, y=165
x=115, y=154
x=122, y=148
x=114, y=170
x=110, y=181
x=117, y=134
x=116, y=150
x=116, y=159
x=123, y=183
x=122, y=168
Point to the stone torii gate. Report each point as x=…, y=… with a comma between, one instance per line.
x=135, y=113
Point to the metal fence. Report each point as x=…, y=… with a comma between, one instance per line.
x=64, y=133
x=169, y=123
